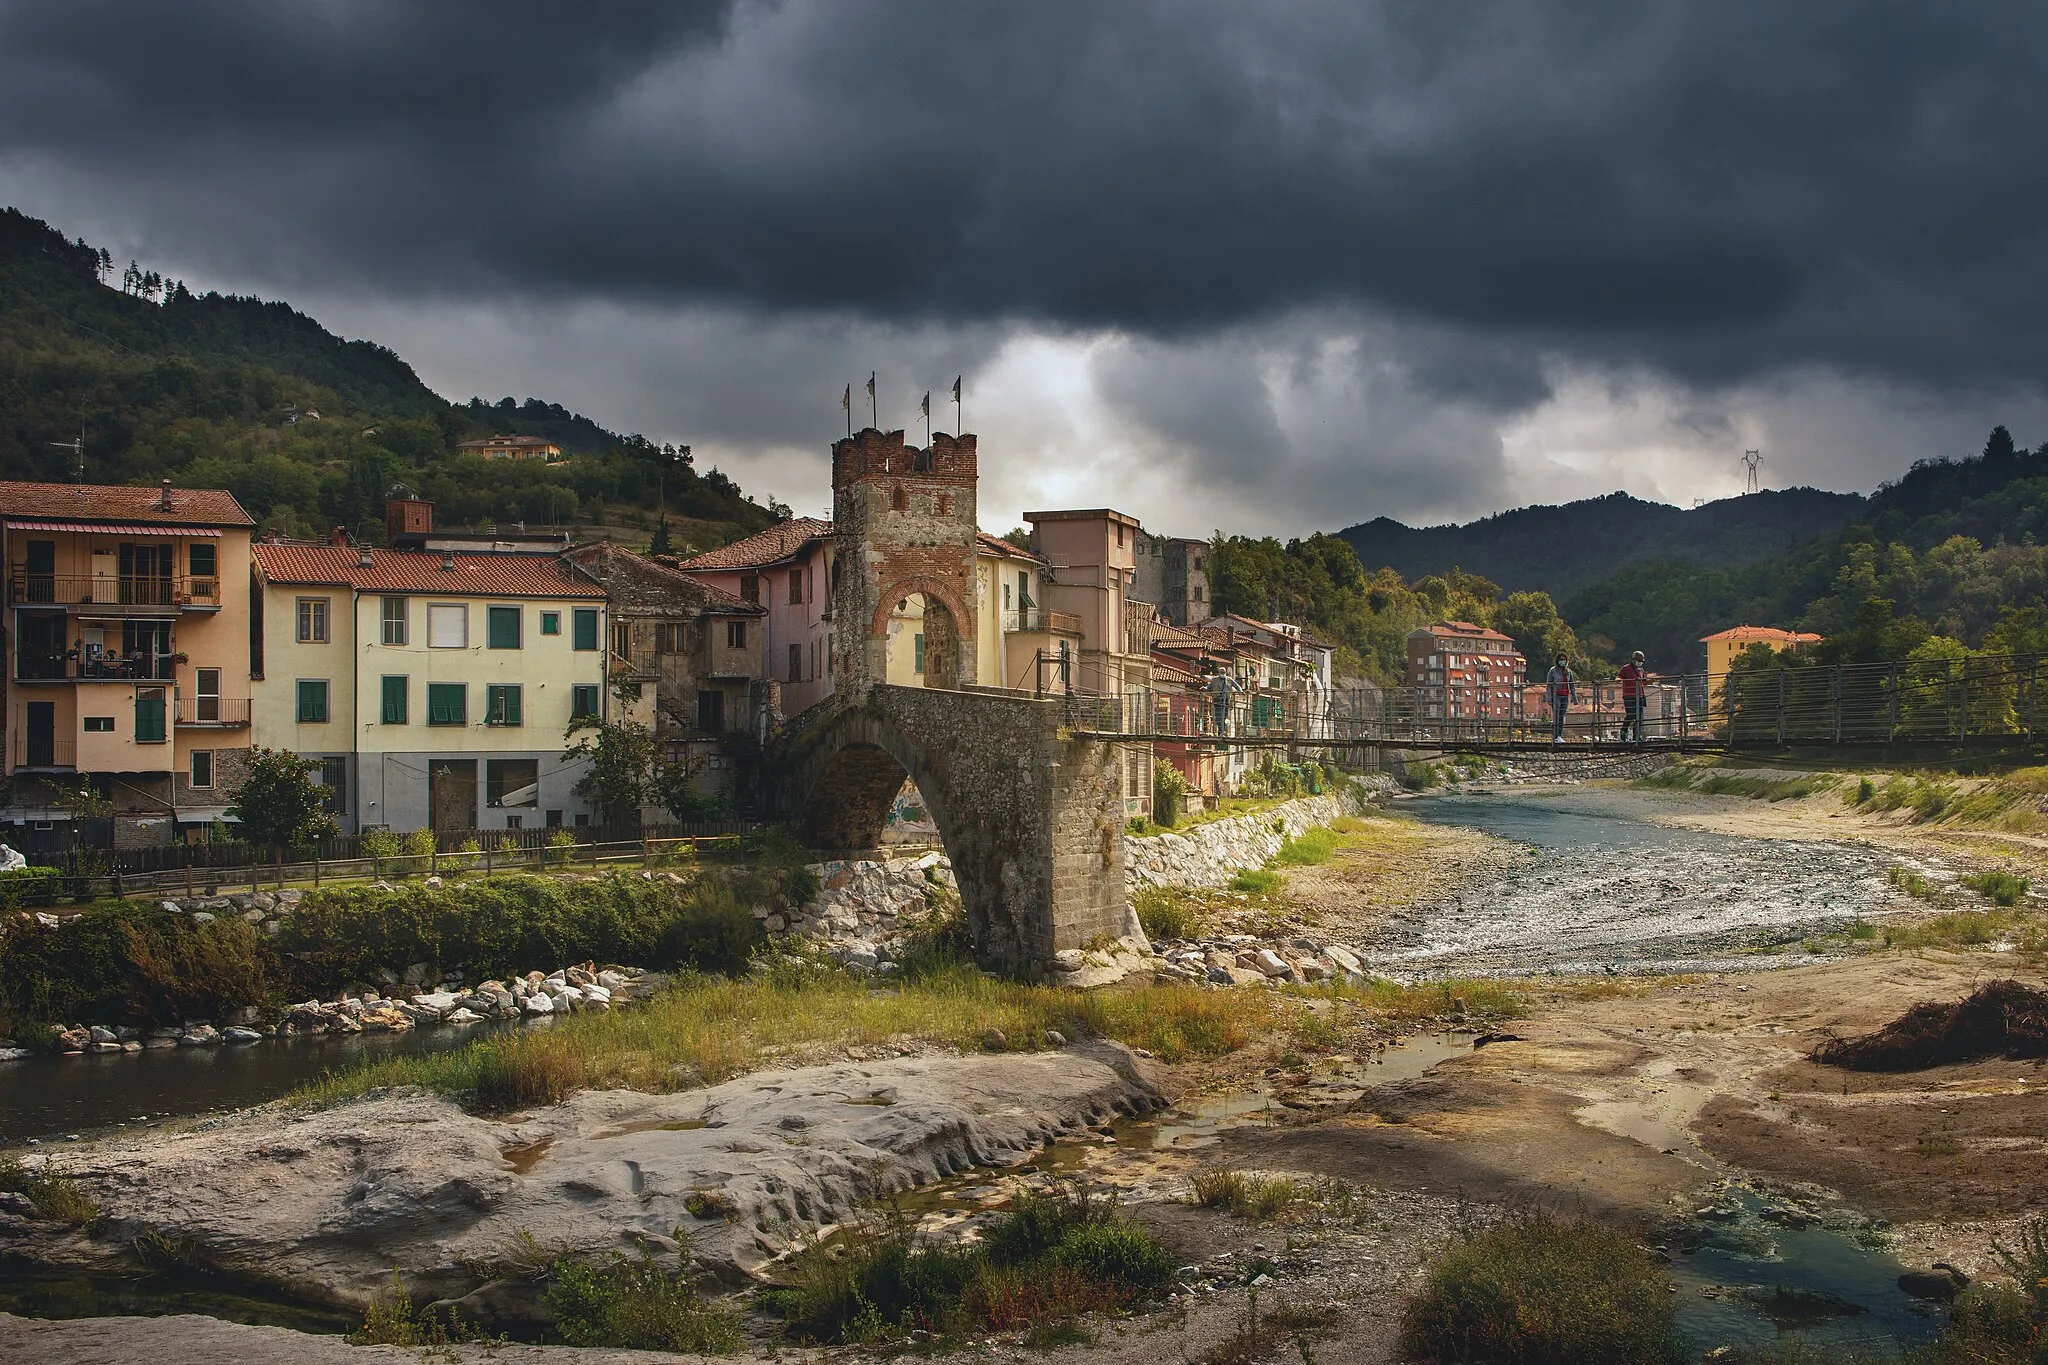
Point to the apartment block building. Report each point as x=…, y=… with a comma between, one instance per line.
x=435, y=689
x=1091, y=561
x=127, y=643
x=1459, y=671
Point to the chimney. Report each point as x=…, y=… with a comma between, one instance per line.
x=363, y=559
x=447, y=561
x=338, y=536
x=407, y=516
x=166, y=498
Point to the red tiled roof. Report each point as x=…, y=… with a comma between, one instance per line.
x=777, y=544
x=596, y=558
x=996, y=545
x=1790, y=637
x=107, y=502
x=420, y=571
x=1463, y=629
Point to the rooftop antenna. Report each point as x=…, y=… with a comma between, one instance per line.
x=77, y=448
x=1750, y=460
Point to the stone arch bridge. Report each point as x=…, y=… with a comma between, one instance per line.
x=1031, y=816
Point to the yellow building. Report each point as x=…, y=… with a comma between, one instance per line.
x=436, y=689
x=128, y=636
x=1723, y=646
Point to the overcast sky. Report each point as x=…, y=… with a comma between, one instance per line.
x=1224, y=264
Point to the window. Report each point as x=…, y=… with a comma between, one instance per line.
x=149, y=715
x=711, y=712
x=750, y=589
x=584, y=624
x=206, y=696
x=501, y=704
x=394, y=700
x=735, y=634
x=1006, y=597
x=1198, y=592
x=899, y=500
x=515, y=822
x=554, y=819
x=501, y=627
x=1198, y=563
x=512, y=782
x=447, y=704
x=312, y=701
x=810, y=585
x=313, y=620
x=796, y=664
x=394, y=621
x=1119, y=536
x=447, y=626
x=551, y=623
x=99, y=725
x=200, y=562
x=917, y=653
x=583, y=701
x=202, y=764
x=334, y=777
x=796, y=587
x=622, y=640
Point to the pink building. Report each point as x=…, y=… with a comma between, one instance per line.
x=1092, y=558
x=786, y=569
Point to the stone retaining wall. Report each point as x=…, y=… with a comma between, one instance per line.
x=865, y=906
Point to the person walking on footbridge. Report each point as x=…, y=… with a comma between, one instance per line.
x=1634, y=689
x=1557, y=689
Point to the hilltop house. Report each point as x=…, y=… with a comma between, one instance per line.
x=511, y=448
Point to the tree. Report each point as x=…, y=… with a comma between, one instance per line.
x=661, y=545
x=279, y=803
x=1019, y=536
x=620, y=759
x=1530, y=619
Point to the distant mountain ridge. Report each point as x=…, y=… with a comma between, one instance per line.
x=1562, y=549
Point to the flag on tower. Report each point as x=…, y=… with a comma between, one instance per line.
x=846, y=399
x=871, y=383
x=956, y=387
x=924, y=409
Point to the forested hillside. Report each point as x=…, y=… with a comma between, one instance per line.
x=1559, y=550
x=1952, y=551
x=308, y=430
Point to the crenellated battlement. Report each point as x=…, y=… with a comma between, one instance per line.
x=869, y=454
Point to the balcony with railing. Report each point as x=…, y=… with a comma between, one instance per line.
x=41, y=753
x=1032, y=619
x=226, y=713
x=72, y=665
x=115, y=594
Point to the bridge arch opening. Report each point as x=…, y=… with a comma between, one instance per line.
x=923, y=641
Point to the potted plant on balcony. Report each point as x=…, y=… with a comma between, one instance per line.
x=180, y=657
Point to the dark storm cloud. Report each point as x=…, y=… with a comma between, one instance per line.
x=1716, y=189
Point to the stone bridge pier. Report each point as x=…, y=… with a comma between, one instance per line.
x=1031, y=819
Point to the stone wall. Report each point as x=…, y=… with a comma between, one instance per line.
x=865, y=906
x=1209, y=855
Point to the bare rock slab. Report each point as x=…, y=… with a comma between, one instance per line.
x=324, y=1204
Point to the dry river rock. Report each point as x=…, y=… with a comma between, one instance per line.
x=323, y=1204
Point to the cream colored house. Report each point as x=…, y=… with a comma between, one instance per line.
x=437, y=689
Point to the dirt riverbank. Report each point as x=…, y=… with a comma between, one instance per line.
x=1632, y=1096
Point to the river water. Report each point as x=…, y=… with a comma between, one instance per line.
x=1600, y=887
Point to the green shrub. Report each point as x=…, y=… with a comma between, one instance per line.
x=1535, y=1290
x=1866, y=792
x=123, y=960
x=1423, y=776
x=1911, y=882
x=1052, y=1256
x=30, y=887
x=712, y=932
x=1168, y=913
x=1260, y=1198
x=1312, y=847
x=420, y=843
x=1169, y=791
x=2000, y=888
x=53, y=1195
x=636, y=1303
x=1255, y=882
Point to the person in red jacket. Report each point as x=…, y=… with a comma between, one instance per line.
x=1634, y=690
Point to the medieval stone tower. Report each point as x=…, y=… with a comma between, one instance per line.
x=905, y=522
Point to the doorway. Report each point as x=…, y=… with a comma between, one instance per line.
x=39, y=747
x=451, y=794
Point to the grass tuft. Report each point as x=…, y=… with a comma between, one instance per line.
x=1257, y=1198
x=638, y=1304
x=2000, y=888
x=54, y=1196
x=1169, y=913
x=1537, y=1290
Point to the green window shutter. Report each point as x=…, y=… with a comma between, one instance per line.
x=586, y=628
x=583, y=701
x=503, y=628
x=312, y=702
x=394, y=701
x=447, y=704
x=551, y=623
x=149, y=719
x=501, y=705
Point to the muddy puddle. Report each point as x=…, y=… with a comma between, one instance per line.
x=1603, y=887
x=1753, y=1269
x=32, y=1290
